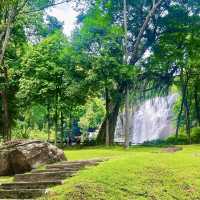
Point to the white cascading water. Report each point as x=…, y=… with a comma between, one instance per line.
x=150, y=121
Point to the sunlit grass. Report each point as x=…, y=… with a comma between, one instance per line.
x=139, y=173
x=6, y=179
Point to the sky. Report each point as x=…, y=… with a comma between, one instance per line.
x=65, y=13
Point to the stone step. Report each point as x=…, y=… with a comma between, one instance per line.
x=73, y=164
x=66, y=166
x=33, y=185
x=79, y=163
x=46, y=176
x=22, y=193
x=84, y=161
x=55, y=170
x=30, y=185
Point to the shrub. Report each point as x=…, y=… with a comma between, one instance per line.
x=20, y=134
x=195, y=135
x=181, y=140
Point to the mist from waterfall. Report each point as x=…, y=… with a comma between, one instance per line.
x=151, y=120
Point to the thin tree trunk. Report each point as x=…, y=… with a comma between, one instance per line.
x=5, y=40
x=7, y=36
x=61, y=128
x=1, y=35
x=126, y=141
x=107, y=117
x=56, y=118
x=187, y=118
x=125, y=34
x=5, y=117
x=197, y=109
x=70, y=130
x=48, y=121
x=184, y=85
x=179, y=118
x=6, y=123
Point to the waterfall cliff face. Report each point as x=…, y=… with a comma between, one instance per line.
x=150, y=121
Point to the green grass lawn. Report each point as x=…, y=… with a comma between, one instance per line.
x=139, y=173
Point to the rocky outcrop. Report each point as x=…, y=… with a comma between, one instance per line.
x=22, y=156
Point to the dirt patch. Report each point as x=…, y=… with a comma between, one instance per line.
x=86, y=191
x=171, y=149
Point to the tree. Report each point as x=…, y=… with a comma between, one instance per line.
x=14, y=13
x=103, y=19
x=9, y=10
x=126, y=142
x=54, y=79
x=176, y=59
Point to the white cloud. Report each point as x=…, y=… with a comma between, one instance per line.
x=65, y=13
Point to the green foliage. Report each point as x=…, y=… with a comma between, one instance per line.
x=36, y=134
x=181, y=140
x=19, y=133
x=53, y=81
x=94, y=112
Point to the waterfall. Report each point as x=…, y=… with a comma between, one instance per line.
x=151, y=120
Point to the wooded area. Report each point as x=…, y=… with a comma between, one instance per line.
x=120, y=53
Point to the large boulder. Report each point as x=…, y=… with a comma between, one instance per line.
x=22, y=156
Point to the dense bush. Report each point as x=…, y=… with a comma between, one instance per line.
x=181, y=140
x=30, y=134
x=20, y=134
x=195, y=135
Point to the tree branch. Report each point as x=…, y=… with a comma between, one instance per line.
x=143, y=28
x=45, y=7
x=7, y=35
x=22, y=6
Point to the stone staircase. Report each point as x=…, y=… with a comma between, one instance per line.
x=36, y=183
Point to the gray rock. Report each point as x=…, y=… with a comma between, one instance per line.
x=22, y=156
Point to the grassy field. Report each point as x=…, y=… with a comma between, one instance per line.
x=140, y=173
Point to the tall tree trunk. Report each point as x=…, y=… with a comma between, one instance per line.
x=197, y=109
x=184, y=85
x=5, y=117
x=48, y=121
x=107, y=118
x=56, y=118
x=70, y=129
x=113, y=114
x=61, y=128
x=6, y=124
x=125, y=34
x=126, y=141
x=179, y=118
x=7, y=35
x=187, y=119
